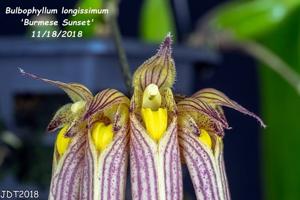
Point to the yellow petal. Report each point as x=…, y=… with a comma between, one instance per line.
x=205, y=138
x=155, y=121
x=62, y=142
x=102, y=135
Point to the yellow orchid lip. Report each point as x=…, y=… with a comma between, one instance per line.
x=155, y=121
x=62, y=142
x=102, y=135
x=205, y=138
x=154, y=117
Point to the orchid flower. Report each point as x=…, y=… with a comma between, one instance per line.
x=91, y=148
x=154, y=150
x=201, y=124
x=156, y=122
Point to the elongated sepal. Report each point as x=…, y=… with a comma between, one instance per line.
x=67, y=170
x=217, y=98
x=105, y=172
x=158, y=70
x=70, y=114
x=76, y=91
x=206, y=167
x=155, y=167
x=195, y=105
x=85, y=173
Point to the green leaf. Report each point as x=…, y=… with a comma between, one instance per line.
x=281, y=108
x=248, y=20
x=274, y=24
x=88, y=31
x=156, y=20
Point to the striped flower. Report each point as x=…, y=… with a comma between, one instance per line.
x=154, y=151
x=156, y=122
x=91, y=149
x=201, y=124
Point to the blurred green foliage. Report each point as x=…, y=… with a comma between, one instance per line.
x=253, y=18
x=89, y=31
x=156, y=20
x=281, y=109
x=276, y=25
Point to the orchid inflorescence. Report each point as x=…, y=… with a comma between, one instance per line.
x=156, y=131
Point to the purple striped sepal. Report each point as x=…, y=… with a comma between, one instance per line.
x=206, y=167
x=82, y=170
x=154, y=152
x=155, y=167
x=105, y=171
x=104, y=175
x=201, y=124
x=85, y=173
x=67, y=170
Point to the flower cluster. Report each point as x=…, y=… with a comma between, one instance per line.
x=156, y=131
